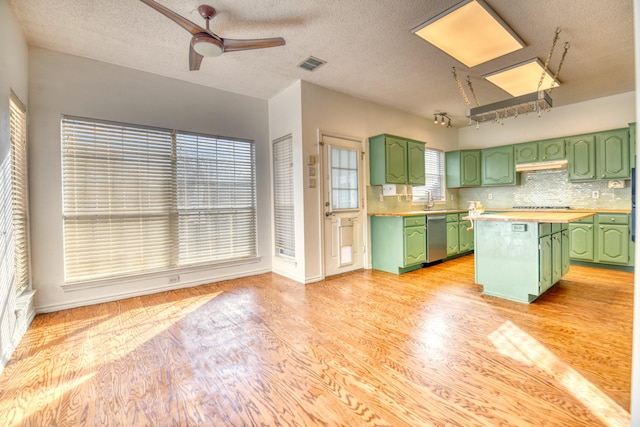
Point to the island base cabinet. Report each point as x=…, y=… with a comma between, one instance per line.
x=519, y=261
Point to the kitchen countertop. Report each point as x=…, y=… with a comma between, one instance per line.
x=504, y=210
x=535, y=216
x=418, y=212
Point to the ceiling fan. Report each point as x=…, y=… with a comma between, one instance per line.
x=206, y=43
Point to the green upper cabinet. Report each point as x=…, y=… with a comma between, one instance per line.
x=463, y=168
x=582, y=158
x=498, y=166
x=395, y=160
x=602, y=155
x=540, y=151
x=612, y=161
x=552, y=149
x=415, y=163
x=527, y=152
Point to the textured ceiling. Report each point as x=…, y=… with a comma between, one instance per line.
x=368, y=45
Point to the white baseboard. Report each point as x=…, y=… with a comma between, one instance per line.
x=148, y=291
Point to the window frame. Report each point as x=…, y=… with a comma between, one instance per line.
x=420, y=192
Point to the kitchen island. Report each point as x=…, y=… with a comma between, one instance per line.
x=520, y=255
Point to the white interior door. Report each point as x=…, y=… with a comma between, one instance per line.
x=343, y=205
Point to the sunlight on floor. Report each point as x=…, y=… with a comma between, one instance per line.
x=513, y=342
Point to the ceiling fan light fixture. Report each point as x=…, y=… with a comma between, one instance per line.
x=206, y=45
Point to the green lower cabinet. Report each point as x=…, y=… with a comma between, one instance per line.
x=606, y=240
x=398, y=244
x=581, y=241
x=415, y=246
x=459, y=237
x=465, y=236
x=556, y=254
x=613, y=244
x=453, y=238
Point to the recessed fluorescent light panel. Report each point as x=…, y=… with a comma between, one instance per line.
x=471, y=32
x=522, y=78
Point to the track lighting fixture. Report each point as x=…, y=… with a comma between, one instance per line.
x=442, y=119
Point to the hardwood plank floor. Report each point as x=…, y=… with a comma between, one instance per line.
x=361, y=349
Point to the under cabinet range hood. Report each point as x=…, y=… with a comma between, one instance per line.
x=539, y=166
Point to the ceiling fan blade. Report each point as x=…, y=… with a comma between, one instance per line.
x=231, y=45
x=195, y=59
x=183, y=22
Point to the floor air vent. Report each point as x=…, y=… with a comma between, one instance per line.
x=311, y=63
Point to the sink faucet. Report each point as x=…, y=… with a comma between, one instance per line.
x=429, y=203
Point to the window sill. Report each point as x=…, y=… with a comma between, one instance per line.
x=121, y=280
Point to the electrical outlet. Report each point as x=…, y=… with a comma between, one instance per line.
x=174, y=279
x=489, y=196
x=595, y=194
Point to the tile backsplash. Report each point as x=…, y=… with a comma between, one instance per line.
x=540, y=188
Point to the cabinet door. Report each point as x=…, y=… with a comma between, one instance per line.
x=581, y=241
x=415, y=162
x=556, y=257
x=498, y=166
x=545, y=263
x=453, y=242
x=613, y=154
x=526, y=153
x=582, y=158
x=566, y=258
x=552, y=149
x=613, y=243
x=470, y=168
x=465, y=236
x=415, y=245
x=395, y=161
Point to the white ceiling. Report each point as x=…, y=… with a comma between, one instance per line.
x=370, y=50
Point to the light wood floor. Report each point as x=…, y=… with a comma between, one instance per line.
x=362, y=349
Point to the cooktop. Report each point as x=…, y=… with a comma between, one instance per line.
x=543, y=207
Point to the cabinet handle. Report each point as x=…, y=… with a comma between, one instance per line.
x=589, y=227
x=613, y=220
x=602, y=226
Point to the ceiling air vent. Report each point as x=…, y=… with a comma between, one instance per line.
x=311, y=63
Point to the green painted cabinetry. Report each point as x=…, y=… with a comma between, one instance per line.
x=581, y=238
x=612, y=158
x=453, y=236
x=613, y=238
x=396, y=160
x=540, y=151
x=519, y=261
x=602, y=155
x=582, y=158
x=459, y=237
x=498, y=167
x=603, y=239
x=398, y=244
x=463, y=168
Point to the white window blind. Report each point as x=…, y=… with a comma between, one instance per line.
x=139, y=199
x=284, y=226
x=434, y=177
x=19, y=206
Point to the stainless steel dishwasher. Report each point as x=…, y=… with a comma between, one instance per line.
x=436, y=237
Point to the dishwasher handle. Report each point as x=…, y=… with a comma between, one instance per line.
x=436, y=217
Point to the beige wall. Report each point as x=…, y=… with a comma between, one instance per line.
x=63, y=84
x=13, y=77
x=610, y=112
